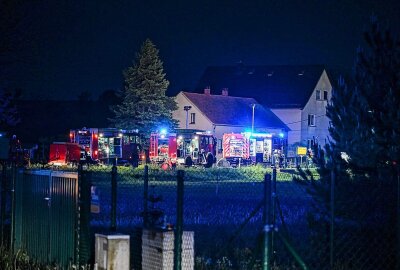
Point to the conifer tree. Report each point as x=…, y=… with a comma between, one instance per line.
x=365, y=113
x=360, y=166
x=145, y=106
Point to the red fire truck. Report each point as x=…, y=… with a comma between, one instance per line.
x=163, y=147
x=109, y=144
x=236, y=148
x=184, y=146
x=249, y=148
x=62, y=153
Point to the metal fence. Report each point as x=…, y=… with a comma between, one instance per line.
x=216, y=205
x=7, y=177
x=226, y=209
x=247, y=218
x=342, y=223
x=48, y=215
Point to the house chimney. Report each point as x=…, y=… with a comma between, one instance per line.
x=207, y=91
x=225, y=91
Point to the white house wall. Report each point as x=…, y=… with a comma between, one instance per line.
x=319, y=132
x=292, y=119
x=201, y=122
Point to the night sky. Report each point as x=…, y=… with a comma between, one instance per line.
x=73, y=46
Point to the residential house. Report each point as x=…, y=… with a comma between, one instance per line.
x=298, y=95
x=220, y=114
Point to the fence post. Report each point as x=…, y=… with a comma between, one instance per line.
x=84, y=248
x=14, y=176
x=114, y=198
x=179, y=222
x=398, y=216
x=267, y=217
x=78, y=214
x=273, y=206
x=332, y=218
x=3, y=199
x=146, y=196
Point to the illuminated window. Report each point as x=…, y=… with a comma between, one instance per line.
x=311, y=120
x=193, y=118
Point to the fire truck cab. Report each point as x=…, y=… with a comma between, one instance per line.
x=109, y=144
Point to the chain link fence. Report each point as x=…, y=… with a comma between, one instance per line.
x=224, y=208
x=344, y=223
x=311, y=225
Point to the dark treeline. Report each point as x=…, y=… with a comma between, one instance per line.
x=50, y=120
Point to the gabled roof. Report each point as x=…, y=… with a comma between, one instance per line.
x=234, y=111
x=273, y=86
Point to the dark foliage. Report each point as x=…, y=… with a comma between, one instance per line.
x=365, y=117
x=8, y=110
x=354, y=205
x=145, y=106
x=51, y=120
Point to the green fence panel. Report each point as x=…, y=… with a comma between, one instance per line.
x=47, y=216
x=35, y=215
x=62, y=219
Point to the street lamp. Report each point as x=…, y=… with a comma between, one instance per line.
x=187, y=108
x=252, y=119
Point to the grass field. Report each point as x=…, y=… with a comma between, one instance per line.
x=217, y=203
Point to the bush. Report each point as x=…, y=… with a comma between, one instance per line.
x=21, y=261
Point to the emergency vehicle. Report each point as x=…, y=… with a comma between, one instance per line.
x=236, y=149
x=109, y=144
x=249, y=148
x=182, y=147
x=163, y=147
x=62, y=153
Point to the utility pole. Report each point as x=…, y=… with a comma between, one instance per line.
x=252, y=119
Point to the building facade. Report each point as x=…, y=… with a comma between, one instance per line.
x=308, y=123
x=298, y=95
x=222, y=114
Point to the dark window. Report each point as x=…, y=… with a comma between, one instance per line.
x=219, y=146
x=117, y=141
x=311, y=120
x=193, y=118
x=310, y=143
x=325, y=95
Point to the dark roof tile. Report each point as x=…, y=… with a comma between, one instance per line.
x=273, y=86
x=235, y=111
